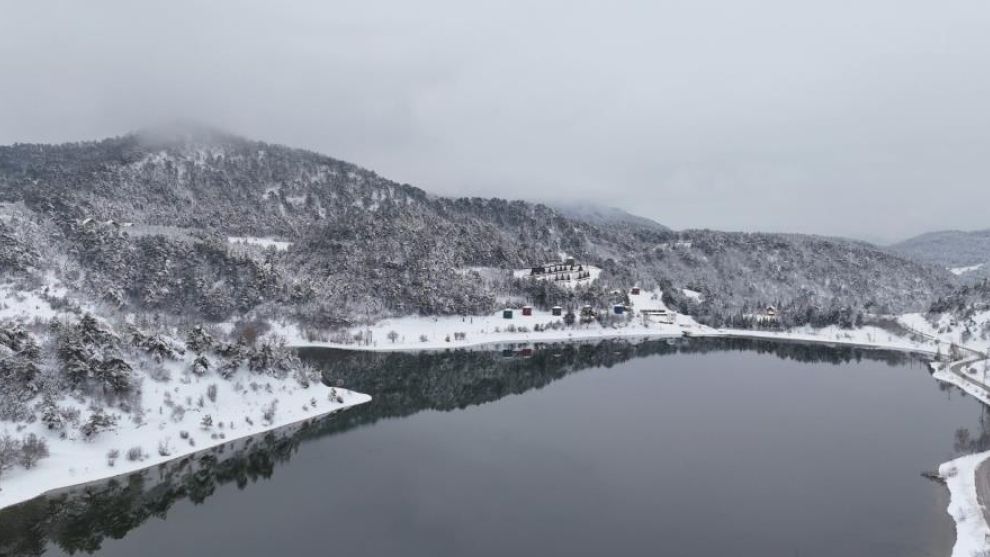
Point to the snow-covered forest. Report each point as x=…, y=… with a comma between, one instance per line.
x=119, y=276
x=141, y=222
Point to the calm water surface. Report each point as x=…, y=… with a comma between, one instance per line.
x=707, y=448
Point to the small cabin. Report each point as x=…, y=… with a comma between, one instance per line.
x=527, y=311
x=506, y=313
x=586, y=311
x=569, y=262
x=556, y=311
x=634, y=291
x=618, y=309
x=771, y=311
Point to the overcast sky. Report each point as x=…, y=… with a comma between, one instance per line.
x=865, y=118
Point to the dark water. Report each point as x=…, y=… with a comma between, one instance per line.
x=705, y=448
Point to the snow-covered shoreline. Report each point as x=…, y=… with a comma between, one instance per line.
x=972, y=530
x=870, y=338
x=439, y=334
x=76, y=462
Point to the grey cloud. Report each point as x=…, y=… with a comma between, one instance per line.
x=866, y=119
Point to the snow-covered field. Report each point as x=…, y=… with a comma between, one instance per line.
x=413, y=333
x=948, y=330
x=867, y=337
x=176, y=412
x=171, y=424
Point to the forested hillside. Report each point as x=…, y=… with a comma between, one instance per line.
x=141, y=222
x=949, y=248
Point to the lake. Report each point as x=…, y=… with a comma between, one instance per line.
x=702, y=447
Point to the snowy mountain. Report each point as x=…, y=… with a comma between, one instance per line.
x=143, y=279
x=142, y=222
x=966, y=254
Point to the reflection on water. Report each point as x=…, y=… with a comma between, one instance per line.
x=80, y=519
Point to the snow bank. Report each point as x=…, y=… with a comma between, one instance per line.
x=972, y=531
x=864, y=337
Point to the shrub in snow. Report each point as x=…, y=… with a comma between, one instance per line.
x=394, y=336
x=248, y=332
x=211, y=392
x=198, y=340
x=200, y=366
x=10, y=450
x=207, y=422
x=268, y=415
x=112, y=456
x=26, y=452
x=157, y=346
x=184, y=434
x=163, y=448
x=33, y=449
x=135, y=454
x=58, y=418
x=423, y=338
x=229, y=368
x=98, y=421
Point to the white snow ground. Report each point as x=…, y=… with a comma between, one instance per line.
x=244, y=397
x=963, y=270
x=413, y=333
x=972, y=531
x=279, y=245
x=167, y=425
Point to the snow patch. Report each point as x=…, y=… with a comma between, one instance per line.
x=963, y=270
x=279, y=245
x=692, y=294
